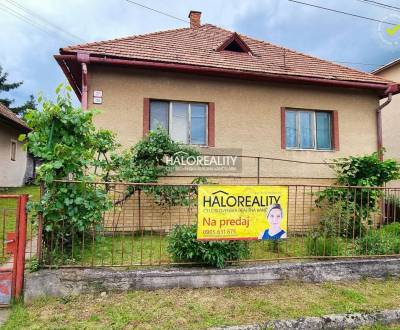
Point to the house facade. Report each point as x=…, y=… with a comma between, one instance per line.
x=219, y=90
x=13, y=159
x=391, y=113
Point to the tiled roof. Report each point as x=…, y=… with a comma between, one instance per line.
x=12, y=118
x=198, y=47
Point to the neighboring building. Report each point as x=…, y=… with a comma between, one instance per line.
x=218, y=89
x=13, y=157
x=391, y=113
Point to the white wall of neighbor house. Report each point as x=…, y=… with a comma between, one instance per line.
x=12, y=172
x=391, y=116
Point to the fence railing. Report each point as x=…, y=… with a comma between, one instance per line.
x=322, y=222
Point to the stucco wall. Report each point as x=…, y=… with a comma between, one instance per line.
x=247, y=114
x=391, y=117
x=11, y=172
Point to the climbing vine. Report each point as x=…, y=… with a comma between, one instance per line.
x=65, y=139
x=71, y=149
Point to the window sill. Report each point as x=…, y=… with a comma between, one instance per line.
x=317, y=150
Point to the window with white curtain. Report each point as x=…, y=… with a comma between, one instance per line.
x=306, y=129
x=185, y=122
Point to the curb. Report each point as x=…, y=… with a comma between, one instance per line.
x=335, y=321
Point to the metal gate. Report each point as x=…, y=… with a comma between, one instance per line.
x=13, y=221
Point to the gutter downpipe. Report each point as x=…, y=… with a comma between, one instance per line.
x=389, y=92
x=84, y=59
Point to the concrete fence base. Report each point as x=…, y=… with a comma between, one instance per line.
x=62, y=282
x=337, y=321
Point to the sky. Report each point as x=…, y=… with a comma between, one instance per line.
x=29, y=41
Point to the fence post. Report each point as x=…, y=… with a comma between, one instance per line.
x=21, y=245
x=40, y=228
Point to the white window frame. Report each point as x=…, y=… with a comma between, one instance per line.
x=314, y=129
x=189, y=132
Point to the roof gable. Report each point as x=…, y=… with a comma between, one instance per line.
x=235, y=44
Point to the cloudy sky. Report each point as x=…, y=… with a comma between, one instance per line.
x=29, y=35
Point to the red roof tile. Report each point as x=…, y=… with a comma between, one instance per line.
x=199, y=47
x=12, y=118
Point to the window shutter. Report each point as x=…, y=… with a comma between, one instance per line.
x=211, y=124
x=146, y=116
x=335, y=131
x=283, y=128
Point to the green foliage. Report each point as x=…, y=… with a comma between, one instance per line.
x=183, y=246
x=385, y=240
x=365, y=170
x=320, y=245
x=146, y=162
x=66, y=141
x=360, y=203
x=339, y=217
x=33, y=265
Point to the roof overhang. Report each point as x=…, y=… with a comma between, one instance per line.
x=386, y=66
x=70, y=64
x=11, y=123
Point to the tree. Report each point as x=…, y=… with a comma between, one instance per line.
x=6, y=86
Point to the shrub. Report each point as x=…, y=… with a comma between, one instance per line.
x=385, y=240
x=365, y=171
x=183, y=246
x=337, y=219
x=317, y=245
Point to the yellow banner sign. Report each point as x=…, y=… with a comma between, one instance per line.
x=242, y=212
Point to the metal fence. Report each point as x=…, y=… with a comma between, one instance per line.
x=134, y=230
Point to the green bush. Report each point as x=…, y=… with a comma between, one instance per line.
x=337, y=220
x=317, y=245
x=183, y=246
x=385, y=240
x=362, y=171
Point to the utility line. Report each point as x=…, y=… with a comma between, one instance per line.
x=380, y=4
x=157, y=11
x=21, y=17
x=42, y=19
x=343, y=12
x=172, y=16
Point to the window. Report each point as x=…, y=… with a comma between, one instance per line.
x=184, y=121
x=13, y=150
x=306, y=129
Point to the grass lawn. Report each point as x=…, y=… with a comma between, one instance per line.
x=203, y=308
x=151, y=249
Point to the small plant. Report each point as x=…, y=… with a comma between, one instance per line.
x=33, y=265
x=337, y=219
x=183, y=246
x=385, y=240
x=317, y=245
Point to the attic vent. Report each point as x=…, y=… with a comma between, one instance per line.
x=235, y=44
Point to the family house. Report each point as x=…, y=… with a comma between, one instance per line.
x=391, y=114
x=13, y=159
x=220, y=90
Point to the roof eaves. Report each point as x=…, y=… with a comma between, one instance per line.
x=386, y=66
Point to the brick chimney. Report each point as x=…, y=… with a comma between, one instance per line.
x=195, y=19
